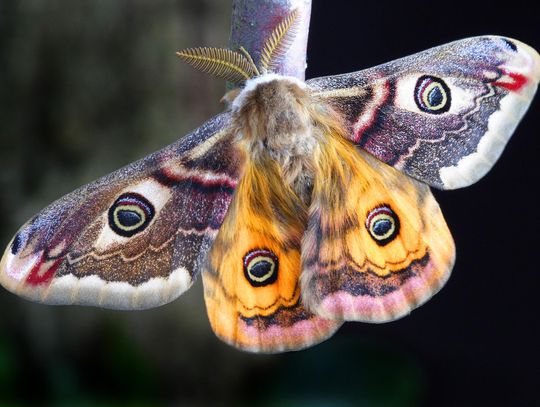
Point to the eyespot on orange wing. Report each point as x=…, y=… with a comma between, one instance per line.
x=251, y=279
x=377, y=245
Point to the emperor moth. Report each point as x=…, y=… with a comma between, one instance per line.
x=303, y=205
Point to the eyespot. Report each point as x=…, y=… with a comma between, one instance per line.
x=130, y=214
x=382, y=224
x=432, y=95
x=261, y=267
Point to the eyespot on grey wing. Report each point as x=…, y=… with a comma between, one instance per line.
x=444, y=115
x=121, y=242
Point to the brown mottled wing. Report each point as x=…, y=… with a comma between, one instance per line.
x=251, y=279
x=442, y=116
x=376, y=245
x=135, y=238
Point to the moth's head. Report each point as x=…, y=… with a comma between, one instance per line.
x=272, y=104
x=267, y=93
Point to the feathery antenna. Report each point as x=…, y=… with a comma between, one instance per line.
x=229, y=65
x=238, y=67
x=248, y=56
x=279, y=42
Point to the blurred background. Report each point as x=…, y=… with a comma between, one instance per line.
x=87, y=87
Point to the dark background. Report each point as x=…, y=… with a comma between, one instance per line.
x=87, y=87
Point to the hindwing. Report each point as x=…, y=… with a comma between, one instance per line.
x=251, y=281
x=376, y=244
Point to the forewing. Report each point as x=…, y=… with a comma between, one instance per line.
x=251, y=279
x=135, y=238
x=376, y=245
x=442, y=116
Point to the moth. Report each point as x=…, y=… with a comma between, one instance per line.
x=303, y=205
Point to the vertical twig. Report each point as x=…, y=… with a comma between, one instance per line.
x=254, y=20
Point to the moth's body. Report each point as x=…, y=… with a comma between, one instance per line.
x=273, y=119
x=303, y=206
x=305, y=190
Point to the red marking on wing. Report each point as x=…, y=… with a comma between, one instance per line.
x=215, y=180
x=368, y=117
x=517, y=81
x=36, y=278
